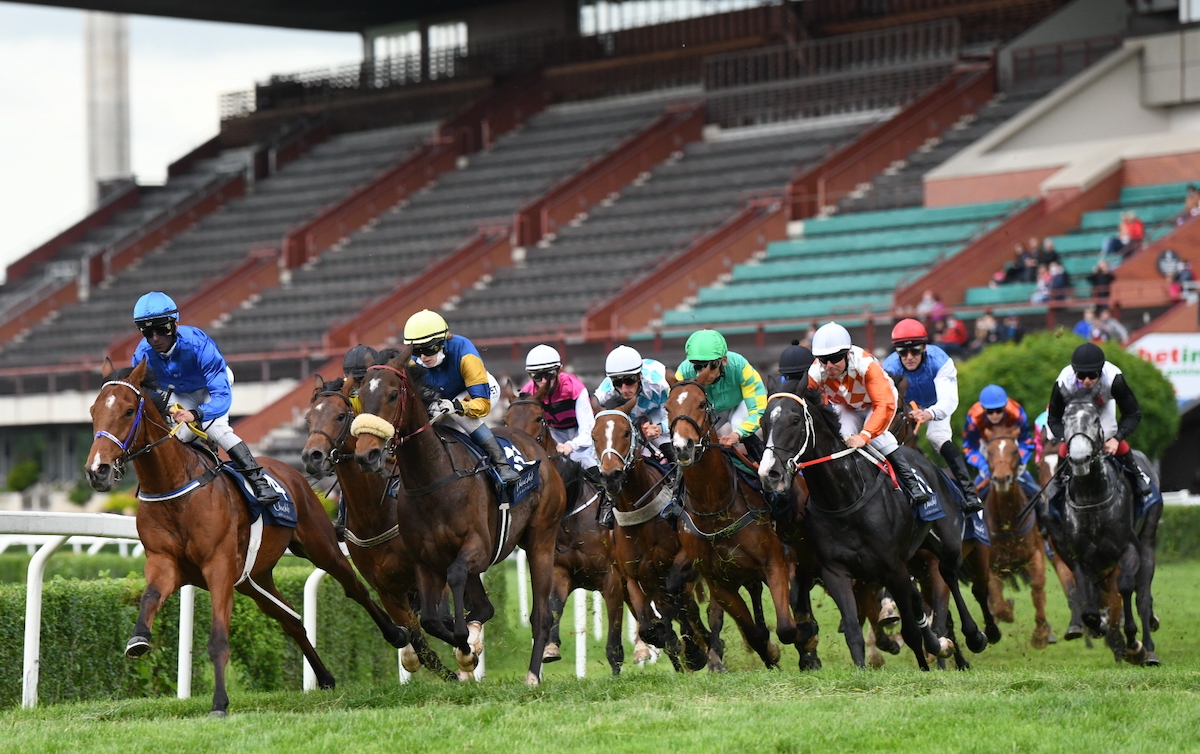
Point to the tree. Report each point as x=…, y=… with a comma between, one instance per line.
x=1027, y=372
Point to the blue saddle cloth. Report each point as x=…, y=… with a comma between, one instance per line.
x=1143, y=506
x=974, y=527
x=528, y=470
x=932, y=509
x=282, y=513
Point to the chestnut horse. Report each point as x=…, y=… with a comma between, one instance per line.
x=196, y=529
x=583, y=553
x=653, y=564
x=460, y=531
x=726, y=528
x=373, y=520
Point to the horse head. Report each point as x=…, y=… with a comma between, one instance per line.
x=1004, y=459
x=787, y=428
x=392, y=403
x=121, y=418
x=689, y=417
x=1084, y=435
x=618, y=445
x=527, y=412
x=330, y=414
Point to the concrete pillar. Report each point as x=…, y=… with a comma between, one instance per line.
x=106, y=54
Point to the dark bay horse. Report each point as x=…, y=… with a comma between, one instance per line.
x=726, y=528
x=648, y=553
x=583, y=553
x=203, y=535
x=373, y=522
x=1101, y=531
x=461, y=530
x=863, y=528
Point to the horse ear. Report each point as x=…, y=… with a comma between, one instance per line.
x=318, y=383
x=508, y=390
x=629, y=405
x=106, y=368
x=772, y=384
x=139, y=372
x=401, y=358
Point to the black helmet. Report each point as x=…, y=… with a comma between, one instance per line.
x=795, y=360
x=355, y=363
x=1088, y=357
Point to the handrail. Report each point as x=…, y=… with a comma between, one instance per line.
x=894, y=139
x=1026, y=61
x=607, y=174
x=974, y=265
x=679, y=274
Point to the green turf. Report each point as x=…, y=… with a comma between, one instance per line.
x=1063, y=698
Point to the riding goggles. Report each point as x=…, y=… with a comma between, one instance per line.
x=913, y=350
x=429, y=349
x=1087, y=375
x=543, y=375
x=149, y=331
x=832, y=358
x=623, y=380
x=700, y=366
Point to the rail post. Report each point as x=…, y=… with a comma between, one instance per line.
x=33, y=620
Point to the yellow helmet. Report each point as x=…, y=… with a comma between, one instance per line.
x=423, y=327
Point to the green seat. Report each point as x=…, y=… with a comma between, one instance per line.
x=908, y=217
x=951, y=233
x=796, y=288
x=1109, y=219
x=1005, y=294
x=752, y=312
x=1161, y=192
x=840, y=263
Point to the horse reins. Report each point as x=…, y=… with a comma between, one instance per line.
x=127, y=456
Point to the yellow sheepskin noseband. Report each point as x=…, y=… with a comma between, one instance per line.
x=370, y=424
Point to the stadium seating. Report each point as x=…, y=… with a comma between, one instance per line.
x=1079, y=250
x=841, y=265
x=219, y=241
x=523, y=164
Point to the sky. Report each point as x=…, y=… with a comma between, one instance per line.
x=177, y=70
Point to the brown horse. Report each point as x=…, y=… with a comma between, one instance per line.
x=196, y=528
x=653, y=564
x=373, y=520
x=583, y=553
x=1017, y=545
x=461, y=530
x=725, y=526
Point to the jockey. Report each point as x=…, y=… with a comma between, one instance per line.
x=567, y=405
x=733, y=387
x=863, y=396
x=354, y=369
x=188, y=363
x=1091, y=376
x=627, y=375
x=456, y=372
x=933, y=386
x=996, y=411
x=795, y=361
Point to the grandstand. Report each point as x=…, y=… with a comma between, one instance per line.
x=550, y=182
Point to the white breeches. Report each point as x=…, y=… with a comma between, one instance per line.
x=218, y=430
x=938, y=433
x=729, y=420
x=852, y=423
x=585, y=457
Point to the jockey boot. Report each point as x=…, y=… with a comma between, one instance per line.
x=604, y=510
x=339, y=523
x=1141, y=480
x=908, y=478
x=484, y=438
x=249, y=468
x=675, y=507
x=668, y=452
x=957, y=463
x=755, y=448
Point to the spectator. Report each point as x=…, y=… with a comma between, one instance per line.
x=938, y=312
x=1047, y=254
x=1086, y=327
x=1042, y=293
x=1109, y=328
x=954, y=337
x=985, y=331
x=1182, y=280
x=1060, y=282
x=925, y=305
x=1101, y=281
x=1130, y=234
x=1191, y=204
x=1010, y=331
x=1016, y=270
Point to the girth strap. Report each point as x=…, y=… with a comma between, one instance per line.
x=388, y=535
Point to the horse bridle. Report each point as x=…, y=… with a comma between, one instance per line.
x=126, y=455
x=794, y=463
x=545, y=426
x=635, y=445
x=401, y=406
x=1093, y=456
x=335, y=454
x=703, y=443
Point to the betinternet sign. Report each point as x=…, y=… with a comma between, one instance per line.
x=1177, y=355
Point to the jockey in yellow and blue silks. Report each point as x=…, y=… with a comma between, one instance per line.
x=733, y=387
x=188, y=363
x=455, y=371
x=996, y=411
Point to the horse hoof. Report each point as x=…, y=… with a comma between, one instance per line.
x=889, y=644
x=875, y=659
x=888, y=614
x=993, y=634
x=641, y=653
x=1151, y=661
x=1050, y=637
x=1153, y=622
x=475, y=636
x=773, y=654
x=1039, y=640
x=946, y=648
x=137, y=647
x=1006, y=613
x=464, y=675
x=977, y=642
x=218, y=713
x=467, y=662
x=409, y=659
x=1093, y=621
x=1135, y=654
x=1074, y=631
x=810, y=661
x=401, y=639
x=532, y=681
x=552, y=653
x=716, y=666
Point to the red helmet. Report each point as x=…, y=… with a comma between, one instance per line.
x=909, y=331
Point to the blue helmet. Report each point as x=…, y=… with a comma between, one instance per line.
x=993, y=397
x=155, y=309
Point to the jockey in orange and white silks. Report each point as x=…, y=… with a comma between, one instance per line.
x=863, y=396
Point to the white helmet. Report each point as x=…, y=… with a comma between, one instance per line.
x=623, y=360
x=541, y=358
x=829, y=339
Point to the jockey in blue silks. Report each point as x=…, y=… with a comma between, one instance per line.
x=933, y=387
x=188, y=363
x=996, y=411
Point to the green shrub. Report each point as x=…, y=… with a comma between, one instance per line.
x=119, y=502
x=1179, y=533
x=14, y=566
x=1027, y=372
x=80, y=493
x=23, y=475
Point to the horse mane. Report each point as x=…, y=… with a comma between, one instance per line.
x=416, y=373
x=149, y=382
x=815, y=398
x=333, y=386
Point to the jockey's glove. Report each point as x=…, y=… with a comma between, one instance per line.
x=458, y=407
x=441, y=406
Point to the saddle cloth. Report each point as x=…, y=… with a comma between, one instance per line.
x=974, y=527
x=1054, y=507
x=528, y=470
x=282, y=513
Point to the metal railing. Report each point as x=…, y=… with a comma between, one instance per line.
x=1039, y=63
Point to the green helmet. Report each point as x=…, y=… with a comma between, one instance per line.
x=705, y=345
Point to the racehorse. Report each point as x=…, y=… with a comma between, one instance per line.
x=373, y=522
x=648, y=554
x=1101, y=530
x=1017, y=546
x=583, y=553
x=862, y=528
x=196, y=528
x=462, y=530
x=737, y=545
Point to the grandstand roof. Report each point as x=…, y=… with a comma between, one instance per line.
x=322, y=15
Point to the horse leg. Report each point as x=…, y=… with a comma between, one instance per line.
x=691, y=630
x=456, y=578
x=1085, y=592
x=755, y=635
x=841, y=588
x=779, y=582
x=1135, y=653
x=162, y=579
x=220, y=589
x=1037, y=591
x=1066, y=577
x=1147, y=539
x=418, y=652
x=614, y=606
x=539, y=546
x=716, y=646
x=261, y=588
x=976, y=640
x=901, y=587
x=936, y=595
x=430, y=587
x=329, y=558
x=980, y=562
x=560, y=588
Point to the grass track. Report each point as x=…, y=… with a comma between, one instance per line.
x=1065, y=698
